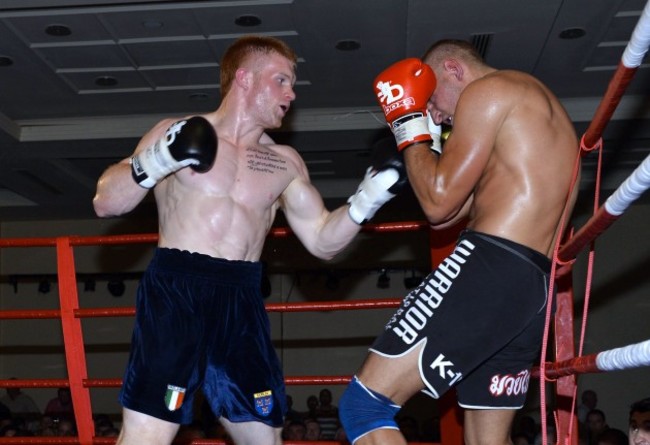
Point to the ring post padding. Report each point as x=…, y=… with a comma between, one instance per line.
x=637, y=47
x=637, y=183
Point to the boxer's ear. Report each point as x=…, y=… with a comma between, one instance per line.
x=244, y=78
x=454, y=68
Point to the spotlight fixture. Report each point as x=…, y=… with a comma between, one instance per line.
x=14, y=282
x=116, y=287
x=412, y=281
x=44, y=286
x=383, y=282
x=331, y=281
x=89, y=285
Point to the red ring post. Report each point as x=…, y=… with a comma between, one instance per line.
x=73, y=339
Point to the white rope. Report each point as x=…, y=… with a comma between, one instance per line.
x=630, y=190
x=627, y=357
x=639, y=42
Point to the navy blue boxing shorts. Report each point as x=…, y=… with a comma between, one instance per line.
x=201, y=321
x=480, y=316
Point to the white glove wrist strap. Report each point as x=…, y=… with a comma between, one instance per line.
x=413, y=130
x=157, y=162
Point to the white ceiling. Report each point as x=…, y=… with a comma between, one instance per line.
x=61, y=129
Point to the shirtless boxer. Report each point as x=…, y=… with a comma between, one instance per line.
x=477, y=321
x=219, y=180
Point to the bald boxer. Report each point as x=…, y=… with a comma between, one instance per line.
x=219, y=180
x=476, y=322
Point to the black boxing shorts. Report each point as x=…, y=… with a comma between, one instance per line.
x=480, y=316
x=201, y=321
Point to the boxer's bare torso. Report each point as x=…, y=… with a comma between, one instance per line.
x=507, y=163
x=535, y=145
x=228, y=211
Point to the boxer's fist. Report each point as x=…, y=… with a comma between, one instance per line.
x=378, y=187
x=403, y=90
x=190, y=142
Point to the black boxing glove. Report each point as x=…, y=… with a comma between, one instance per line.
x=378, y=187
x=190, y=142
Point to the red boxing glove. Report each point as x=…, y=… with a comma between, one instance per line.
x=403, y=90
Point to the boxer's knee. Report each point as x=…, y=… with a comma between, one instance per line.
x=363, y=410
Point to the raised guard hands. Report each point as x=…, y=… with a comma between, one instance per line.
x=403, y=90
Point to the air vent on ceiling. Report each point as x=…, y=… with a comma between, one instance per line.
x=482, y=43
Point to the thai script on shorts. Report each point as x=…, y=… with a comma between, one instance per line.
x=510, y=385
x=418, y=306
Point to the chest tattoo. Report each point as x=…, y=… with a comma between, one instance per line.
x=264, y=161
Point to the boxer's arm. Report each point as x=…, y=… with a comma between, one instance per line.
x=443, y=184
x=441, y=190
x=326, y=233
x=323, y=233
x=462, y=215
x=117, y=193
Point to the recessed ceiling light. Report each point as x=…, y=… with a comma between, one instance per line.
x=348, y=45
x=152, y=24
x=106, y=81
x=6, y=61
x=58, y=30
x=248, y=20
x=572, y=33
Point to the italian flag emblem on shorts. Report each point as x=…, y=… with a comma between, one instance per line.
x=174, y=397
